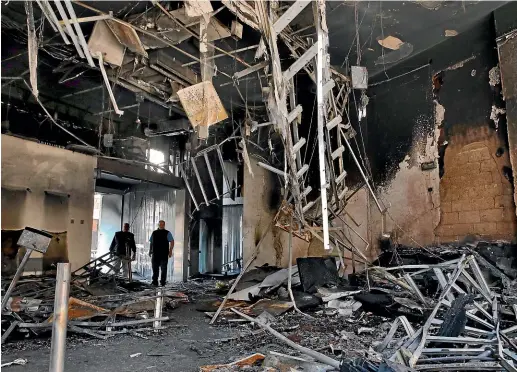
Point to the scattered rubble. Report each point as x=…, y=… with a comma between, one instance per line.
x=441, y=308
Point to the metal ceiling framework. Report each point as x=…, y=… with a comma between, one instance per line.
x=134, y=53
x=138, y=62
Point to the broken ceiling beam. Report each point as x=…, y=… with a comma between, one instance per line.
x=162, y=60
x=308, y=206
x=301, y=62
x=272, y=169
x=298, y=145
x=211, y=173
x=334, y=122
x=294, y=114
x=250, y=70
x=189, y=189
x=289, y=15
x=108, y=86
x=47, y=15
x=90, y=19
x=328, y=87
x=237, y=28
x=79, y=32
x=342, y=193
x=306, y=192
x=200, y=182
x=69, y=29
x=302, y=171
x=32, y=47
x=45, y=4
x=336, y=153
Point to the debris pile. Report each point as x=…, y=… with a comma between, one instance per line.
x=100, y=304
x=449, y=308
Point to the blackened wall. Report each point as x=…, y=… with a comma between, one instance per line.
x=422, y=114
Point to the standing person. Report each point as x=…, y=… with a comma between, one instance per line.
x=124, y=248
x=162, y=243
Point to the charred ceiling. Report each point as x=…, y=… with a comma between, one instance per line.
x=283, y=83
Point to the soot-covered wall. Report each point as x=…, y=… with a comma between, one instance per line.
x=439, y=161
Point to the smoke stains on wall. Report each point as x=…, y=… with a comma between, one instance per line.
x=476, y=197
x=439, y=161
x=260, y=192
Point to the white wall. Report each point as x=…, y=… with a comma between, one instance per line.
x=27, y=164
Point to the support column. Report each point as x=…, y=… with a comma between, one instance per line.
x=60, y=319
x=322, y=76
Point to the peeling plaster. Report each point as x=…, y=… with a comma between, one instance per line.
x=494, y=76
x=495, y=115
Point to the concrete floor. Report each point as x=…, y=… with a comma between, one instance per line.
x=182, y=349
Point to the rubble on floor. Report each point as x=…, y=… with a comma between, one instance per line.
x=446, y=308
x=101, y=305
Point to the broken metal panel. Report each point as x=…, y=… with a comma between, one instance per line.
x=127, y=36
x=195, y=8
x=104, y=41
x=202, y=104
x=215, y=30
x=237, y=29
x=359, y=77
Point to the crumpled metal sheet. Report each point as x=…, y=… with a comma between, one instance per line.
x=78, y=309
x=249, y=361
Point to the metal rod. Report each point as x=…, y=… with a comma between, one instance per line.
x=108, y=86
x=47, y=15
x=200, y=182
x=214, y=184
x=158, y=310
x=69, y=28
x=17, y=275
x=60, y=320
x=321, y=55
x=222, y=55
x=221, y=161
x=47, y=5
x=362, y=172
x=79, y=32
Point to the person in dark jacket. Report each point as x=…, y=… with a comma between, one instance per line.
x=162, y=244
x=124, y=248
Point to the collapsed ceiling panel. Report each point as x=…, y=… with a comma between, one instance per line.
x=127, y=36
x=104, y=41
x=202, y=104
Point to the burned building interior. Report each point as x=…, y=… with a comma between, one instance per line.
x=337, y=182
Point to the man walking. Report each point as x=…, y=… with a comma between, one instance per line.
x=162, y=243
x=123, y=247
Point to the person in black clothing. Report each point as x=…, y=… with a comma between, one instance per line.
x=124, y=248
x=162, y=243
